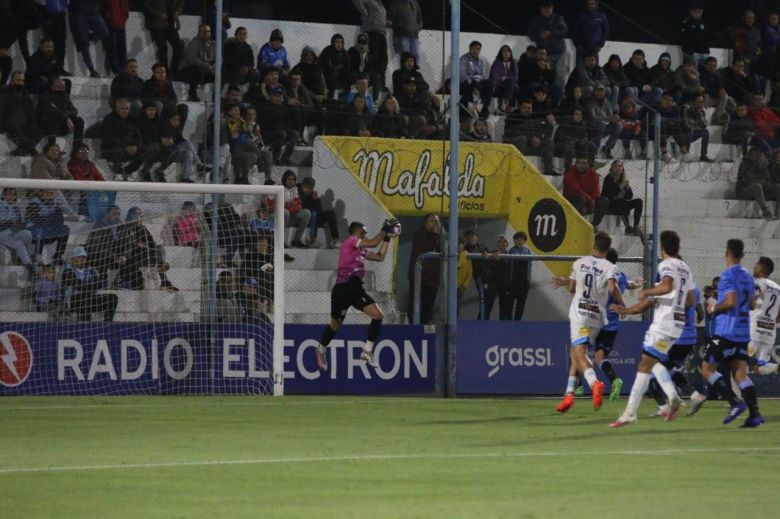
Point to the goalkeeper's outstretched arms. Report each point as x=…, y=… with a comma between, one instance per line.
x=390, y=229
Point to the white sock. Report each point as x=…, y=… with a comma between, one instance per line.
x=665, y=381
x=368, y=347
x=570, y=384
x=638, y=390
x=768, y=369
x=590, y=376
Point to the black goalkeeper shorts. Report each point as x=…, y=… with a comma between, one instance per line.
x=350, y=293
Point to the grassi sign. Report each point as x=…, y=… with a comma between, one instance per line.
x=184, y=358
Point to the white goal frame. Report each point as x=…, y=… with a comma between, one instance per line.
x=198, y=189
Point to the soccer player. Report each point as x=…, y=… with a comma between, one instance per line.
x=350, y=291
x=592, y=279
x=732, y=335
x=764, y=318
x=670, y=296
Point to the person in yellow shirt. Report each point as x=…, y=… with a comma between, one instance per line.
x=464, y=271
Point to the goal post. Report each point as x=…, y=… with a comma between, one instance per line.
x=160, y=267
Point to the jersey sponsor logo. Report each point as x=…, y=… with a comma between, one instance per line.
x=16, y=359
x=498, y=357
x=547, y=225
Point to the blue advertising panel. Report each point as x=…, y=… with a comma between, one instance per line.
x=193, y=358
x=530, y=358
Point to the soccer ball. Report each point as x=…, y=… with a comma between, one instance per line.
x=395, y=230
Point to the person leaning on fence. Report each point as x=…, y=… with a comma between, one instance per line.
x=520, y=276
x=617, y=190
x=477, y=265
x=427, y=238
x=498, y=282
x=464, y=272
x=81, y=283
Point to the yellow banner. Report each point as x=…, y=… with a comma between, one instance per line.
x=495, y=180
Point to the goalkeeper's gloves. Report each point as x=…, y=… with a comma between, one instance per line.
x=389, y=224
x=386, y=238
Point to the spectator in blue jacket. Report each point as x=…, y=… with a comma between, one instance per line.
x=590, y=31
x=475, y=73
x=45, y=220
x=13, y=235
x=86, y=25
x=81, y=284
x=361, y=88
x=55, y=26
x=273, y=54
x=549, y=30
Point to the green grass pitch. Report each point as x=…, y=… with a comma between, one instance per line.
x=372, y=457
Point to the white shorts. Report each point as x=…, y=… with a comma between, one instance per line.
x=583, y=334
x=762, y=351
x=657, y=345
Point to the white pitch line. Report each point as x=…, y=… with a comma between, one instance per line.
x=378, y=457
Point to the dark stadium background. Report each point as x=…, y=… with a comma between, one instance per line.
x=653, y=21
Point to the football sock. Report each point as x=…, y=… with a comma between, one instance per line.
x=665, y=381
x=373, y=329
x=749, y=394
x=682, y=382
x=638, y=390
x=657, y=392
x=768, y=368
x=590, y=376
x=327, y=335
x=570, y=382
x=720, y=387
x=608, y=370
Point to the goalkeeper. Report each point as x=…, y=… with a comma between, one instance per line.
x=349, y=289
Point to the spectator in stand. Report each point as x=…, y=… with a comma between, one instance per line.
x=127, y=84
x=640, y=84
x=334, y=61
x=434, y=124
x=275, y=125
x=590, y=31
x=182, y=150
x=107, y=242
x=159, y=88
x=520, y=277
x=86, y=25
x=13, y=235
x=479, y=131
x=115, y=13
x=409, y=68
x=122, y=141
x=475, y=72
x=581, y=189
x=588, y=75
x=470, y=104
x=688, y=81
x=499, y=284
x=662, y=75
x=245, y=151
x=464, y=272
x=311, y=74
x=358, y=118
x=238, y=59
x=142, y=252
x=539, y=72
x=197, y=67
x=737, y=82
x=388, y=121
x=572, y=101
x=672, y=125
x=754, y=182
x=712, y=81
x=769, y=63
x=320, y=217
x=249, y=304
x=81, y=284
x=361, y=60
x=48, y=291
x=27, y=19
x=477, y=265
x=226, y=308
x=231, y=235
x=527, y=59
x=548, y=31
x=273, y=54
x=542, y=103
x=695, y=34
x=265, y=159
x=42, y=66
x=405, y=17
x=633, y=129
x=258, y=93
x=45, y=219
x=531, y=134
x=427, y=238
x=503, y=74
x=210, y=17
x=162, y=21
x=602, y=120
x=157, y=151
x=361, y=88
x=81, y=168
x=766, y=120
x=294, y=213
x=258, y=263
x=55, y=26
x=56, y=113
x=373, y=21
x=571, y=139
x=742, y=131
x=17, y=116
x=300, y=102
x=263, y=223
x=7, y=39
x=617, y=80
x=695, y=119
x=617, y=190
x=410, y=101
x=746, y=40
x=186, y=229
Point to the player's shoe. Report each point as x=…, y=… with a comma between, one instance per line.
x=623, y=421
x=322, y=358
x=566, y=403
x=614, y=392
x=674, y=407
x=598, y=392
x=734, y=412
x=579, y=391
x=662, y=411
x=753, y=422
x=368, y=358
x=697, y=400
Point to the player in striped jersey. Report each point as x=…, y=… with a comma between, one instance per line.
x=764, y=318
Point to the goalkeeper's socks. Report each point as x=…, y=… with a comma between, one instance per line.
x=369, y=346
x=327, y=335
x=373, y=330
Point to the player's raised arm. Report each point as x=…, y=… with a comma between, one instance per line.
x=370, y=243
x=380, y=254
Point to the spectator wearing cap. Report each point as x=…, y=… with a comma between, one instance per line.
x=129, y=85
x=714, y=85
x=405, y=17
x=695, y=34
x=409, y=68
x=503, y=73
x=197, y=67
x=520, y=276
x=548, y=31
x=475, y=73
x=115, y=13
x=361, y=61
x=81, y=284
x=248, y=303
x=311, y=74
x=273, y=54
x=82, y=168
x=373, y=22
x=591, y=31
x=13, y=235
x=142, y=252
x=602, y=120
x=162, y=21
x=640, y=85
x=186, y=228
x=276, y=122
x=581, y=188
x=57, y=114
x=662, y=74
x=238, y=59
x=320, y=217
x=295, y=215
x=335, y=64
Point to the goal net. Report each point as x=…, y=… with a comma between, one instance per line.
x=140, y=288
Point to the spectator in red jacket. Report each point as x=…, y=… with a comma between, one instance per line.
x=581, y=188
x=765, y=120
x=115, y=13
x=82, y=168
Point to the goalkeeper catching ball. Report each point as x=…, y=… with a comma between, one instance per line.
x=349, y=289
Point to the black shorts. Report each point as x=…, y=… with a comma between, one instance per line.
x=350, y=293
x=605, y=340
x=719, y=351
x=677, y=355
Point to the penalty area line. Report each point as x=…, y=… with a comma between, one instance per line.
x=377, y=457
